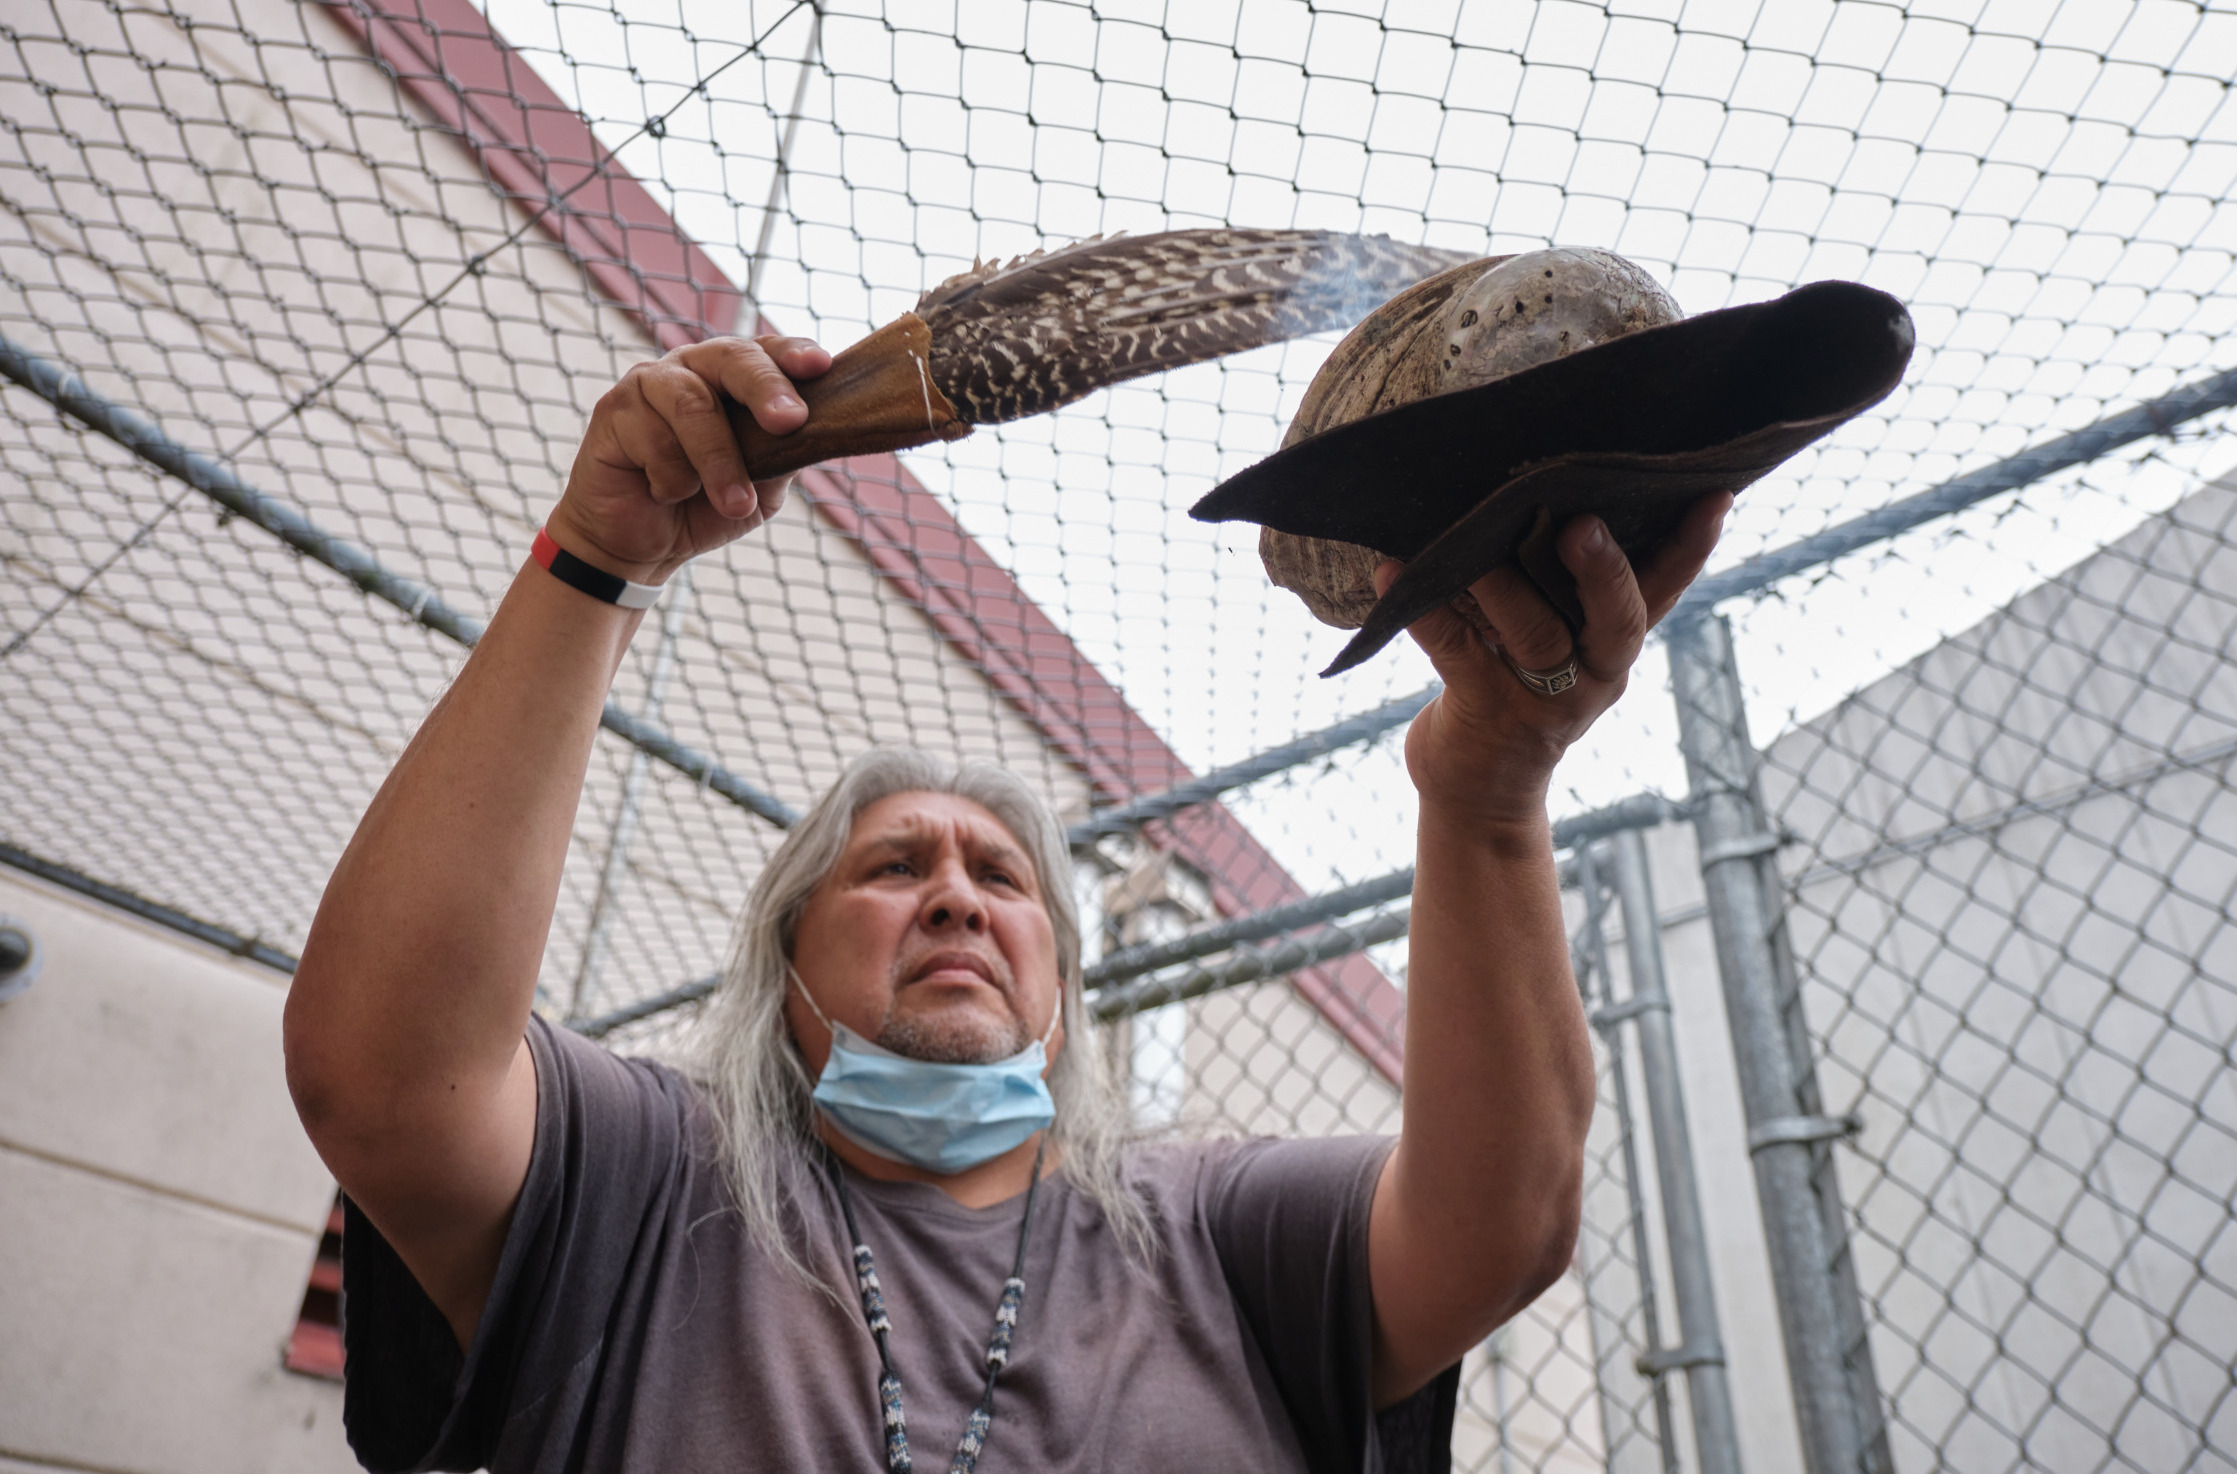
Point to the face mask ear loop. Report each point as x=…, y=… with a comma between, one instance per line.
x=1055, y=1018
x=807, y=997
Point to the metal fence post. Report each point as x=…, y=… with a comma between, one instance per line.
x=1700, y=1350
x=1829, y=1360
x=1589, y=959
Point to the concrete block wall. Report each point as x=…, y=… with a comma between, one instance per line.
x=159, y=1208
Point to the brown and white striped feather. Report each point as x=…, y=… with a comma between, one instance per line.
x=1014, y=340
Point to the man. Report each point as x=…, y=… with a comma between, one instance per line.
x=899, y=1216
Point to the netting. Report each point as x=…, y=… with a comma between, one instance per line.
x=374, y=264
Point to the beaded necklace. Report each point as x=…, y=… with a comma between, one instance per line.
x=981, y=1421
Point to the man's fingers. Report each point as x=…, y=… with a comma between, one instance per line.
x=644, y=440
x=693, y=414
x=758, y=374
x=1615, y=614
x=1532, y=631
x=1678, y=562
x=1620, y=606
x=769, y=496
x=799, y=358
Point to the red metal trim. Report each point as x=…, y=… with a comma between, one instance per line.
x=537, y=148
x=315, y=1350
x=542, y=154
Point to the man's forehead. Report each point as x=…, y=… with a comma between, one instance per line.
x=905, y=819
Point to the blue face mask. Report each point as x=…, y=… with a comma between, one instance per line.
x=942, y=1118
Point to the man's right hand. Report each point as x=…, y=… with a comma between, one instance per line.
x=659, y=478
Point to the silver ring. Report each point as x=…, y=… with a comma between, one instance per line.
x=1544, y=682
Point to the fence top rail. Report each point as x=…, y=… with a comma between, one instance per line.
x=2077, y=447
x=1365, y=727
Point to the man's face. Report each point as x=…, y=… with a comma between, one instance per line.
x=930, y=938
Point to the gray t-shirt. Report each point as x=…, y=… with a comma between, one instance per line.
x=633, y=1324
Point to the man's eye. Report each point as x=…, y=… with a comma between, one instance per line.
x=1001, y=877
x=897, y=867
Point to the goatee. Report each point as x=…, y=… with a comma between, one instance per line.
x=952, y=1041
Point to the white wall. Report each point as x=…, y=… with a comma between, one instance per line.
x=2029, y=1002
x=2015, y=908
x=159, y=1207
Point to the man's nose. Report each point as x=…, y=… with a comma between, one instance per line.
x=952, y=901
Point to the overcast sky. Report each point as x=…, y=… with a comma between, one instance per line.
x=2046, y=186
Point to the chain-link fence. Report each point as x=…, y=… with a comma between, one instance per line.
x=2010, y=878
x=304, y=306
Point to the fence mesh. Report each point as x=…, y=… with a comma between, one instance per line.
x=2011, y=872
x=377, y=265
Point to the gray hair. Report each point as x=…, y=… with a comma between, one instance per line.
x=752, y=1066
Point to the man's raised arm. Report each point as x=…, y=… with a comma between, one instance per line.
x=404, y=1025
x=1476, y=1212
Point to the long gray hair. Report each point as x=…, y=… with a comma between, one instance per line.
x=752, y=1067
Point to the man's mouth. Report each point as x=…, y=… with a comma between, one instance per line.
x=955, y=962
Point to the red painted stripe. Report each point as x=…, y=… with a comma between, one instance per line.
x=536, y=147
x=540, y=152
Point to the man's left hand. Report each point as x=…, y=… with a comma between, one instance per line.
x=1485, y=750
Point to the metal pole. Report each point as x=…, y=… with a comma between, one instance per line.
x=1250, y=965
x=1225, y=936
x=1365, y=727
x=1836, y=1393
x=1569, y=833
x=1496, y=1349
x=1593, y=957
x=1700, y=1350
x=252, y=948
x=781, y=174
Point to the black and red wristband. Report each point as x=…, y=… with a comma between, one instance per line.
x=605, y=587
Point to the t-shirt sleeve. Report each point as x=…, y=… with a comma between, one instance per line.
x=610, y=1139
x=1289, y=1221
